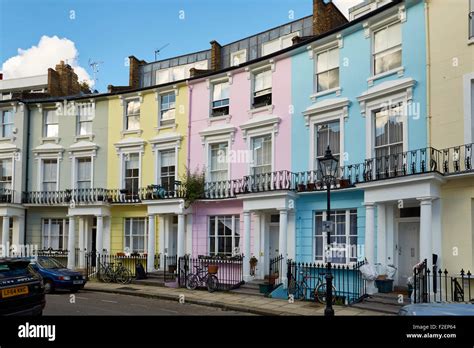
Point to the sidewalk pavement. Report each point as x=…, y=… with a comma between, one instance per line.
x=228, y=301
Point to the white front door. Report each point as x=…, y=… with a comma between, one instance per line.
x=408, y=250
x=273, y=234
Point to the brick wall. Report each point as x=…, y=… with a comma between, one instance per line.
x=216, y=55
x=62, y=81
x=326, y=16
x=134, y=72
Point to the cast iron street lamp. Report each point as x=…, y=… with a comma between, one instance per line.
x=328, y=168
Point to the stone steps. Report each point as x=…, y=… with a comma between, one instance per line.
x=383, y=303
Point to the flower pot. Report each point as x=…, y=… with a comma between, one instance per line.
x=311, y=186
x=301, y=187
x=344, y=183
x=212, y=269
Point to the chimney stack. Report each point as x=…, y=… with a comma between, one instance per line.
x=62, y=81
x=216, y=55
x=134, y=74
x=326, y=16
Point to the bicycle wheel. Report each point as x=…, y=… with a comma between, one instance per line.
x=320, y=293
x=212, y=283
x=192, y=282
x=123, y=276
x=106, y=275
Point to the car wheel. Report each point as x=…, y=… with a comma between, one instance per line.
x=48, y=287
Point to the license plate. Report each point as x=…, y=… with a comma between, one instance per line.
x=77, y=281
x=20, y=290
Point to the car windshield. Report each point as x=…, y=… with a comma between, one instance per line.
x=14, y=269
x=47, y=262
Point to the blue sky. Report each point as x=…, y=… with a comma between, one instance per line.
x=111, y=30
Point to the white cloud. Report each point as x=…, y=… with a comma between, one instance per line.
x=344, y=5
x=37, y=59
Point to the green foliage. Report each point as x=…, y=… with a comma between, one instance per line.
x=193, y=184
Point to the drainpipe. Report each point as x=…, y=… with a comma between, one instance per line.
x=26, y=152
x=190, y=100
x=428, y=74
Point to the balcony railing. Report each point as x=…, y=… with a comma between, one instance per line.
x=6, y=195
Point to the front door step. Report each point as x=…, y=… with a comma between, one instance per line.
x=383, y=303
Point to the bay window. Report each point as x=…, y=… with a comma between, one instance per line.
x=387, y=48
x=343, y=238
x=224, y=235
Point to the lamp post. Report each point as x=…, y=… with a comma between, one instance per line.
x=328, y=167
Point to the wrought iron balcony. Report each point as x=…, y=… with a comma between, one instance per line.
x=457, y=159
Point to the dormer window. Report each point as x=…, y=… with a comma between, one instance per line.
x=132, y=115
x=238, y=57
x=262, y=89
x=220, y=99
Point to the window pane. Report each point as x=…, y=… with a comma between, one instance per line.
x=388, y=60
x=380, y=40
x=394, y=35
x=322, y=62
x=221, y=91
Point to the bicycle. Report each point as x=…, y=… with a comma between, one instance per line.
x=119, y=275
x=299, y=289
x=202, y=276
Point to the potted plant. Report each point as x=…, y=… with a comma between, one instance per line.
x=272, y=277
x=120, y=254
x=193, y=185
x=343, y=183
x=301, y=187
x=311, y=186
x=253, y=264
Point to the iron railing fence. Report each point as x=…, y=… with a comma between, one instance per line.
x=438, y=285
x=349, y=285
x=275, y=270
x=95, y=263
x=229, y=271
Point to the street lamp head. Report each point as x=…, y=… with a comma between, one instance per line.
x=328, y=165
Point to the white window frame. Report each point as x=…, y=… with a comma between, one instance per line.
x=124, y=158
x=45, y=125
x=237, y=53
x=158, y=165
x=2, y=124
x=376, y=30
x=279, y=40
x=347, y=235
x=79, y=107
x=11, y=158
x=122, y=150
x=132, y=100
x=160, y=96
x=254, y=74
x=65, y=223
x=76, y=168
x=374, y=118
x=209, y=157
x=250, y=142
x=216, y=237
x=326, y=49
x=145, y=236
x=41, y=168
x=213, y=84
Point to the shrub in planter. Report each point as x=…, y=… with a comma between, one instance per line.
x=193, y=185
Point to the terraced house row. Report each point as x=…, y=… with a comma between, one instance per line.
x=389, y=91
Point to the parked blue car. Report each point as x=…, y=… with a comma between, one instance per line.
x=442, y=309
x=56, y=276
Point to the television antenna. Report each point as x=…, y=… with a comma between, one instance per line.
x=94, y=65
x=157, y=51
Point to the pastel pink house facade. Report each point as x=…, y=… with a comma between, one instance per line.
x=238, y=130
